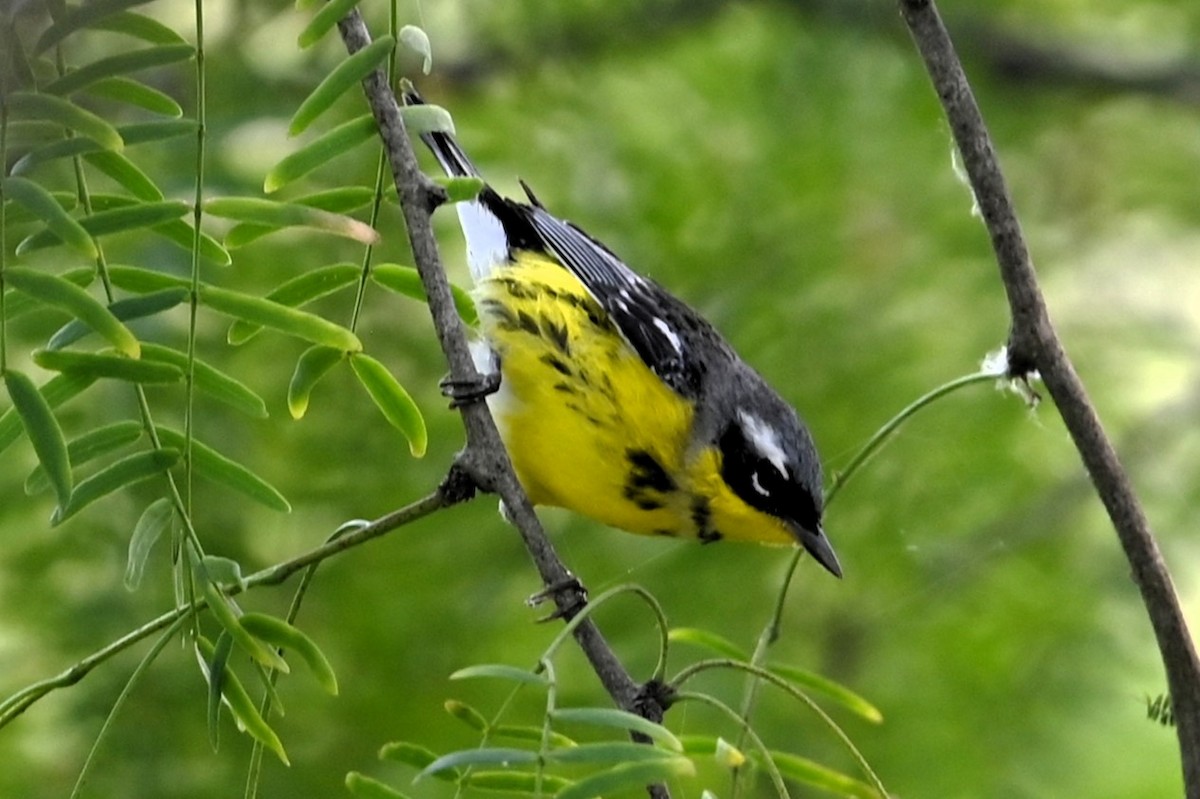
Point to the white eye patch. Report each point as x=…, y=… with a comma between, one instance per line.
x=765, y=441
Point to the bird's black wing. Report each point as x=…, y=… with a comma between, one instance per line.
x=659, y=327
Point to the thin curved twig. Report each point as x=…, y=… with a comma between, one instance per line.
x=1034, y=345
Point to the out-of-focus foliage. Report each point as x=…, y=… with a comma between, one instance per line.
x=784, y=167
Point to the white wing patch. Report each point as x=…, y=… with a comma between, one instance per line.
x=671, y=335
x=765, y=440
x=487, y=246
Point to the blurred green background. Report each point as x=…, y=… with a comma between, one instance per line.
x=785, y=167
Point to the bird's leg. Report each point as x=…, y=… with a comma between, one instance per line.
x=468, y=392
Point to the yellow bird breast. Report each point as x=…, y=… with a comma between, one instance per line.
x=588, y=425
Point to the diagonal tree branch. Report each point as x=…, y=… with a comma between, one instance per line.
x=1034, y=345
x=485, y=458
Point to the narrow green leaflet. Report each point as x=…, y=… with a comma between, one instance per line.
x=347, y=75
x=324, y=20
x=525, y=732
x=417, y=40
x=216, y=685
x=223, y=571
x=85, y=15
x=283, y=215
x=16, y=214
x=126, y=173
x=300, y=324
x=611, y=717
x=500, y=671
x=363, y=787
x=411, y=754
x=628, y=776
x=302, y=289
x=64, y=294
x=182, y=234
x=392, y=400
x=50, y=108
x=120, y=64
x=126, y=471
x=313, y=364
x=279, y=633
x=426, y=118
x=485, y=756
x=405, y=280
x=608, y=752
x=710, y=641
x=466, y=714
x=223, y=611
x=87, y=447
x=214, y=466
x=320, y=150
x=17, y=303
x=42, y=204
x=519, y=782
x=43, y=431
x=339, y=201
x=115, y=220
x=62, y=148
x=124, y=310
x=801, y=769
x=106, y=364
x=144, y=281
x=55, y=391
x=149, y=528
x=136, y=93
x=139, y=26
x=244, y=711
x=460, y=189
x=157, y=130
x=211, y=381
x=830, y=690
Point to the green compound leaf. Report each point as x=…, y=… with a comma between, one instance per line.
x=44, y=432
x=313, y=365
x=392, y=400
x=347, y=75
x=224, y=612
x=149, y=528
x=128, y=470
x=117, y=220
x=42, y=204
x=64, y=294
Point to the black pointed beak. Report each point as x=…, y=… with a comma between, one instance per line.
x=818, y=546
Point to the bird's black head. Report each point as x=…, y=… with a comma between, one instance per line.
x=769, y=460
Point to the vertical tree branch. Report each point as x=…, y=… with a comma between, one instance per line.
x=1034, y=345
x=485, y=457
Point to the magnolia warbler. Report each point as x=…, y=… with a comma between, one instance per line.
x=617, y=400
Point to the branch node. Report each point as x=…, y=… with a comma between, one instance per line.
x=569, y=595
x=652, y=700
